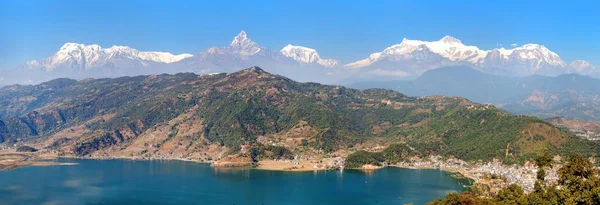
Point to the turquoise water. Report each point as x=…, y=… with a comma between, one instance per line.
x=178, y=182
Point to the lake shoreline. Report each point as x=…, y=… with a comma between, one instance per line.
x=177, y=181
x=463, y=173
x=267, y=165
x=301, y=166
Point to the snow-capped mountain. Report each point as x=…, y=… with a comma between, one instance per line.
x=80, y=57
x=298, y=63
x=307, y=55
x=448, y=47
x=241, y=53
x=406, y=60
x=525, y=60
x=84, y=61
x=79, y=61
x=244, y=46
x=582, y=67
x=528, y=59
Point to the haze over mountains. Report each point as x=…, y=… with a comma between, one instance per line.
x=569, y=95
x=406, y=60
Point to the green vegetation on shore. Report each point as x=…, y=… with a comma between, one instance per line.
x=394, y=153
x=259, y=151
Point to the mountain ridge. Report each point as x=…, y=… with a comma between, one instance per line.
x=307, y=55
x=572, y=96
x=406, y=60
x=528, y=59
x=86, y=56
x=206, y=117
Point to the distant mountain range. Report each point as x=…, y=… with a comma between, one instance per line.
x=406, y=60
x=571, y=96
x=413, y=57
x=80, y=61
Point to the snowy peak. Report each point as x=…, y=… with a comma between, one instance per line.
x=539, y=52
x=532, y=52
x=527, y=59
x=306, y=55
x=243, y=45
x=447, y=47
x=240, y=39
x=581, y=66
x=70, y=47
x=449, y=39
x=81, y=56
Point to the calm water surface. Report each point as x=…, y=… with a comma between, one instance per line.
x=177, y=182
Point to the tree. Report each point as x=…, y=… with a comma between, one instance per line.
x=513, y=194
x=543, y=160
x=466, y=198
x=578, y=177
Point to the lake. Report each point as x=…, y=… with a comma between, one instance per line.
x=179, y=182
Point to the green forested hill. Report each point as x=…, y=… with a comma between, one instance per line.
x=185, y=112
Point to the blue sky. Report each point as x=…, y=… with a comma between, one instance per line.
x=345, y=30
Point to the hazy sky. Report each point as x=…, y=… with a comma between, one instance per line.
x=346, y=30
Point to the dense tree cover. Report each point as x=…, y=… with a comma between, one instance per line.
x=26, y=149
x=361, y=157
x=392, y=154
x=395, y=153
x=578, y=183
x=259, y=151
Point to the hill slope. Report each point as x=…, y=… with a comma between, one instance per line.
x=210, y=116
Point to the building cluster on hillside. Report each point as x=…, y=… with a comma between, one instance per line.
x=525, y=175
x=494, y=173
x=7, y=146
x=585, y=134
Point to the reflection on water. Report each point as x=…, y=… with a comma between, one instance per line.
x=177, y=182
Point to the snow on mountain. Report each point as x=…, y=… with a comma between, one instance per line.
x=297, y=62
x=447, y=47
x=241, y=53
x=584, y=68
x=581, y=66
x=74, y=56
x=364, y=62
x=307, y=55
x=524, y=60
x=528, y=59
x=408, y=59
x=244, y=45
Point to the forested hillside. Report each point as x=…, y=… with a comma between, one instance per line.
x=196, y=117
